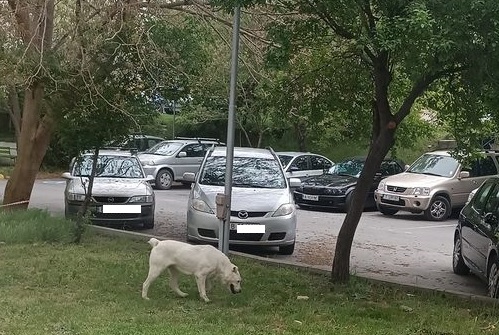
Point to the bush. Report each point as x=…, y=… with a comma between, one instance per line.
x=34, y=225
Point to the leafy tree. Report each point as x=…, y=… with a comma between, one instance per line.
x=384, y=57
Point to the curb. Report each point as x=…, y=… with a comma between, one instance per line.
x=313, y=269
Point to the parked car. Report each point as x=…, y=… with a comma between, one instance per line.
x=334, y=188
x=476, y=242
x=435, y=184
x=134, y=143
x=303, y=164
x=121, y=192
x=260, y=196
x=167, y=161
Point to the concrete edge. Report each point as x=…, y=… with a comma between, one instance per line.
x=303, y=267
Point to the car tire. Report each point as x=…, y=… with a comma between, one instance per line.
x=458, y=265
x=164, y=179
x=148, y=224
x=287, y=249
x=387, y=210
x=494, y=280
x=348, y=202
x=438, y=210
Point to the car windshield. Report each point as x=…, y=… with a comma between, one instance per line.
x=165, y=148
x=247, y=172
x=109, y=166
x=285, y=159
x=435, y=165
x=349, y=167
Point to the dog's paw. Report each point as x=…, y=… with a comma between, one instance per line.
x=205, y=299
x=183, y=294
x=145, y=298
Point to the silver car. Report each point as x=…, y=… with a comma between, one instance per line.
x=169, y=160
x=261, y=197
x=121, y=192
x=303, y=164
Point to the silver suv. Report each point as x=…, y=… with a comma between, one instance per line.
x=167, y=161
x=434, y=185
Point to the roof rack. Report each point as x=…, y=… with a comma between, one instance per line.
x=199, y=139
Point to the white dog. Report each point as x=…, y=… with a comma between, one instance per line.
x=202, y=261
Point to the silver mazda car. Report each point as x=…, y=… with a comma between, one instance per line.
x=261, y=200
x=121, y=193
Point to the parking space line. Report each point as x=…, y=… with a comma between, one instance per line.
x=427, y=227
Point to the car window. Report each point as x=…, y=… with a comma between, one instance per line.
x=247, y=172
x=319, y=163
x=492, y=201
x=109, y=166
x=389, y=168
x=300, y=163
x=165, y=148
x=285, y=159
x=480, y=198
x=348, y=167
x=483, y=166
x=435, y=165
x=195, y=150
x=151, y=142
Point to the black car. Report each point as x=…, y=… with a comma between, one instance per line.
x=135, y=143
x=476, y=243
x=333, y=189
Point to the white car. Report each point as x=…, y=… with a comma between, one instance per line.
x=121, y=193
x=303, y=164
x=261, y=198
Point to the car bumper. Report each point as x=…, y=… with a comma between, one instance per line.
x=98, y=217
x=326, y=201
x=279, y=231
x=404, y=202
x=150, y=170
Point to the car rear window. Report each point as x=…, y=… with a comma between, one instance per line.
x=251, y=172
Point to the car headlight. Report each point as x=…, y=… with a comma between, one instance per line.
x=201, y=206
x=285, y=209
x=141, y=198
x=381, y=186
x=421, y=191
x=76, y=197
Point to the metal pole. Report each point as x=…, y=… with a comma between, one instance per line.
x=223, y=243
x=174, y=108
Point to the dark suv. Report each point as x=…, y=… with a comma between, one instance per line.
x=476, y=236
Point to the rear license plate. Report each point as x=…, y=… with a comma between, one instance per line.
x=310, y=197
x=391, y=197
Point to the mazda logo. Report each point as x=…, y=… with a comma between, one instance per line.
x=110, y=199
x=242, y=214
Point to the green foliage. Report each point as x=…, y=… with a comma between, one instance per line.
x=34, y=226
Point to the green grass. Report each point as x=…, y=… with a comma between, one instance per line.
x=94, y=288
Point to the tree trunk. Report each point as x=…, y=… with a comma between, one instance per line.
x=15, y=113
x=341, y=262
x=32, y=144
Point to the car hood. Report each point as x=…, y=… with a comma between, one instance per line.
x=330, y=180
x=410, y=180
x=111, y=186
x=146, y=158
x=248, y=199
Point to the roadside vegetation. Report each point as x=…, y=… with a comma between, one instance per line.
x=51, y=286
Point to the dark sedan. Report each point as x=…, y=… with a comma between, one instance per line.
x=476, y=242
x=334, y=188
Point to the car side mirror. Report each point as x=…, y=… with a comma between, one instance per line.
x=67, y=175
x=464, y=174
x=406, y=167
x=182, y=154
x=149, y=178
x=294, y=182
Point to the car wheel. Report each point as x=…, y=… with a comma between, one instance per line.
x=348, y=202
x=164, y=179
x=149, y=224
x=494, y=280
x=387, y=210
x=287, y=249
x=458, y=265
x=438, y=210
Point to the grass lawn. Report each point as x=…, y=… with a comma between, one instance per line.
x=94, y=288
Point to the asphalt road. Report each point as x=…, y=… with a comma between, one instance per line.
x=402, y=249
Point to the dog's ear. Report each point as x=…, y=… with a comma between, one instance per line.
x=234, y=269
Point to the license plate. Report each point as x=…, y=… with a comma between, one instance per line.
x=391, y=197
x=247, y=228
x=114, y=209
x=310, y=197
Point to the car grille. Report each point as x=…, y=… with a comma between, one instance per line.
x=315, y=190
x=250, y=214
x=396, y=189
x=111, y=200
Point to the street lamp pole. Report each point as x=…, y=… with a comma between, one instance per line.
x=224, y=230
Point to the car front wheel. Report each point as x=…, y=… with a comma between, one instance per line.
x=438, y=210
x=287, y=249
x=494, y=280
x=458, y=265
x=164, y=180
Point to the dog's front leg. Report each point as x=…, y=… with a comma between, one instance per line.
x=174, y=282
x=201, y=281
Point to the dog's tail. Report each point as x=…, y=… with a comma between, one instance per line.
x=153, y=242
